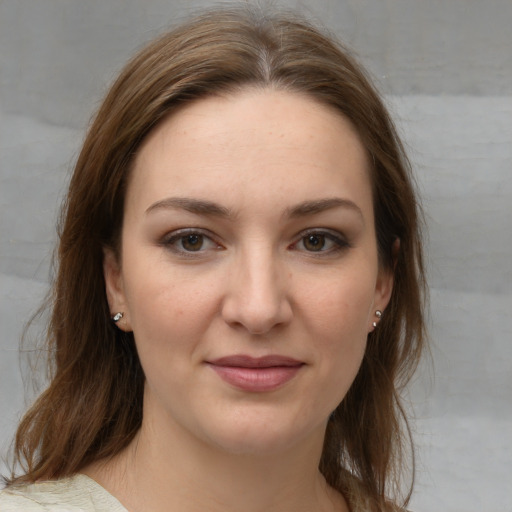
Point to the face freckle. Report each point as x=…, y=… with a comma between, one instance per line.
x=249, y=176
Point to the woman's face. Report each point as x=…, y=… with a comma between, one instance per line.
x=248, y=271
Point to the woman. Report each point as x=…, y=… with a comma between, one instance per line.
x=239, y=292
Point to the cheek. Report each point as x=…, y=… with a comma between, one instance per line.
x=342, y=305
x=169, y=318
x=168, y=308
x=339, y=320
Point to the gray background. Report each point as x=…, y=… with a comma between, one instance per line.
x=445, y=67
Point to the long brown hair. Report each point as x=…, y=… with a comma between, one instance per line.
x=93, y=405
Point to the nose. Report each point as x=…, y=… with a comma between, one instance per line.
x=258, y=294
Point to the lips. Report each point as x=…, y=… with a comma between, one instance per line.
x=260, y=374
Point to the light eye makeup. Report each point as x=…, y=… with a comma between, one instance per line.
x=190, y=242
x=197, y=242
x=320, y=242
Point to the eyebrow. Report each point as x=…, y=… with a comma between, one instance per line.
x=204, y=207
x=321, y=205
x=198, y=206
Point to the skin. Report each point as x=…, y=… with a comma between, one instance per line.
x=249, y=281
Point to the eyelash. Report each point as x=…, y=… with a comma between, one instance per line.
x=339, y=242
x=170, y=241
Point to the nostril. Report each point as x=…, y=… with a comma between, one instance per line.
x=257, y=317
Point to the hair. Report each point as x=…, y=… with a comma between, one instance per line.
x=92, y=407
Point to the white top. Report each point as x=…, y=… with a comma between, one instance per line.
x=79, y=493
x=72, y=494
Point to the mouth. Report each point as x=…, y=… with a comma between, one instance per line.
x=257, y=375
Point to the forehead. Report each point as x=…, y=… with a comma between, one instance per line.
x=252, y=143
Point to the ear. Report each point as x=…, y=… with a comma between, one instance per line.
x=385, y=280
x=114, y=288
x=383, y=288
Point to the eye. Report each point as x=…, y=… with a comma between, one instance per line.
x=316, y=241
x=192, y=242
x=187, y=241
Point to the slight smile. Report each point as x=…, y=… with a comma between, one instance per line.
x=256, y=374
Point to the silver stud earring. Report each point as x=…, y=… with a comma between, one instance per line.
x=117, y=317
x=378, y=314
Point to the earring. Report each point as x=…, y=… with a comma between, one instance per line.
x=117, y=317
x=378, y=314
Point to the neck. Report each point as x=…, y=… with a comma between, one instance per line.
x=171, y=474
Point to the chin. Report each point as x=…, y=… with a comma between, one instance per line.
x=255, y=445
x=255, y=434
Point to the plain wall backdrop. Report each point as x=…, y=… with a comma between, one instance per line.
x=445, y=67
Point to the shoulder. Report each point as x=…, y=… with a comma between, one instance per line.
x=71, y=494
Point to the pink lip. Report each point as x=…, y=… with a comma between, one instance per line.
x=256, y=374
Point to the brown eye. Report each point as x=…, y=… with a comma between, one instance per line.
x=314, y=242
x=192, y=242
x=322, y=242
